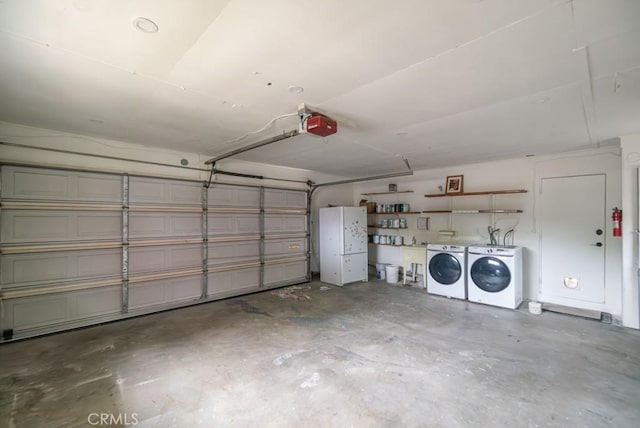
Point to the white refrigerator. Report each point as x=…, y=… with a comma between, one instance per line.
x=343, y=245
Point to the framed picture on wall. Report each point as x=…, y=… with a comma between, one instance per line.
x=454, y=184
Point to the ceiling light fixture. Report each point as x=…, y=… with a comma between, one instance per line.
x=542, y=100
x=296, y=89
x=145, y=25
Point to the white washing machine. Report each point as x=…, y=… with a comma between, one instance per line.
x=446, y=270
x=494, y=275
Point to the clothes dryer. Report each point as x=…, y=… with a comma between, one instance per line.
x=494, y=275
x=446, y=270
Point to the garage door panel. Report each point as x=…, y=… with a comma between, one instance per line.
x=163, y=225
x=247, y=224
x=147, y=225
x=227, y=224
x=99, y=189
x=285, y=247
x=22, y=226
x=99, y=263
x=161, y=191
x=225, y=252
x=274, y=198
x=146, y=192
x=18, y=270
x=164, y=292
x=99, y=226
x=24, y=183
x=247, y=196
x=27, y=268
x=277, y=274
x=99, y=302
x=32, y=185
x=39, y=311
x=238, y=196
x=18, y=226
x=233, y=280
x=220, y=224
x=285, y=223
x=166, y=257
x=187, y=225
x=60, y=308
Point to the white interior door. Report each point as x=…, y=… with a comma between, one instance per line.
x=573, y=240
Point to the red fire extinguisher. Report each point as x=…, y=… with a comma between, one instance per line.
x=617, y=222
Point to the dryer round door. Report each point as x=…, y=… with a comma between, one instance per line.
x=445, y=268
x=490, y=274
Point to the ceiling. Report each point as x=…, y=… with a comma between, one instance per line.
x=441, y=83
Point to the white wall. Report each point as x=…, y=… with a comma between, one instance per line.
x=524, y=173
x=630, y=296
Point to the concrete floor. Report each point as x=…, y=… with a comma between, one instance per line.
x=364, y=355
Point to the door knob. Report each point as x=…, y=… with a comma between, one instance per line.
x=597, y=244
x=598, y=232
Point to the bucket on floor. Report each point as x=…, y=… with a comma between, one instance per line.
x=393, y=273
x=535, y=308
x=380, y=272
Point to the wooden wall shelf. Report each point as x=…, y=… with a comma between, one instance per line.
x=396, y=213
x=487, y=192
x=473, y=212
x=387, y=193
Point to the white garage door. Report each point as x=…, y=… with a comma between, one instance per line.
x=79, y=248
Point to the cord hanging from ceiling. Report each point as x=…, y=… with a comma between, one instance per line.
x=257, y=131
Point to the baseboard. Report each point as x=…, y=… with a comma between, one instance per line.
x=586, y=313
